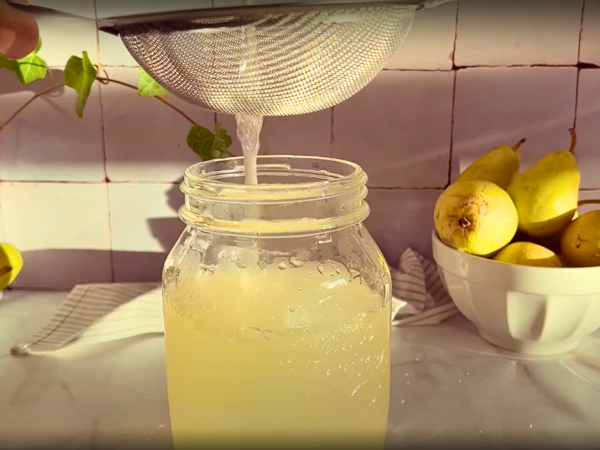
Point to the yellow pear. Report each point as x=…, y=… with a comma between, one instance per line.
x=580, y=244
x=528, y=254
x=498, y=166
x=552, y=242
x=475, y=217
x=11, y=264
x=546, y=195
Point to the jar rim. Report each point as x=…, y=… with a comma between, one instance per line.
x=202, y=181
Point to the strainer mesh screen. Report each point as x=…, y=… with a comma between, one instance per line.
x=276, y=64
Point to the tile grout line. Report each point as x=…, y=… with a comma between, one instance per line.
x=452, y=119
x=583, y=8
x=578, y=81
x=107, y=180
x=455, y=81
x=110, y=235
x=454, y=48
x=102, y=127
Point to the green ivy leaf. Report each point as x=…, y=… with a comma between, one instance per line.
x=80, y=75
x=27, y=69
x=147, y=87
x=222, y=141
x=201, y=141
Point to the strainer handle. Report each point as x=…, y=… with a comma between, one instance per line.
x=434, y=3
x=23, y=5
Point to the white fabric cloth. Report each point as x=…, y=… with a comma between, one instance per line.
x=99, y=313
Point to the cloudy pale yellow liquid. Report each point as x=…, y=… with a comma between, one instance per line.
x=277, y=357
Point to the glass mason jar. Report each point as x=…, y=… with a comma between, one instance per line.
x=277, y=309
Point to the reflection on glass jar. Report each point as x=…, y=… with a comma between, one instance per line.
x=277, y=309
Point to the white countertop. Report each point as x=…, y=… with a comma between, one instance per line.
x=447, y=384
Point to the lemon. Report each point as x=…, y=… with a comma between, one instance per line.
x=11, y=263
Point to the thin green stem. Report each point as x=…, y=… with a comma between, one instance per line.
x=103, y=80
x=29, y=102
x=162, y=100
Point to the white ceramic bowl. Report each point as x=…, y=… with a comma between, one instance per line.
x=531, y=310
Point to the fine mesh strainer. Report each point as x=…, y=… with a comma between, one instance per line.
x=275, y=60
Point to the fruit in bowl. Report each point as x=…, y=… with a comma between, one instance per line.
x=522, y=295
x=523, y=309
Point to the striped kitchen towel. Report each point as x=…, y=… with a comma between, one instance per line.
x=99, y=313
x=419, y=297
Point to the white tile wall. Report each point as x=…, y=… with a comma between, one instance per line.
x=590, y=35
x=62, y=229
x=500, y=106
x=430, y=43
x=48, y=141
x=113, y=52
x=144, y=227
x=398, y=129
x=144, y=139
x=588, y=118
x=57, y=39
x=402, y=218
x=517, y=32
x=74, y=226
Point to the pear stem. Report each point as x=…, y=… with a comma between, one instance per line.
x=589, y=202
x=573, y=141
x=519, y=144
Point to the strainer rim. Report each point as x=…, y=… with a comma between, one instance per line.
x=111, y=25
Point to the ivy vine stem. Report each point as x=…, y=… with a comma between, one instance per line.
x=107, y=80
x=104, y=80
x=101, y=80
x=29, y=102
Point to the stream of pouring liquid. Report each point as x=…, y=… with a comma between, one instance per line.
x=248, y=130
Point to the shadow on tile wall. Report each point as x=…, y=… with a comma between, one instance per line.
x=131, y=266
x=142, y=234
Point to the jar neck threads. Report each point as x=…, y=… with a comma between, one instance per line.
x=295, y=195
